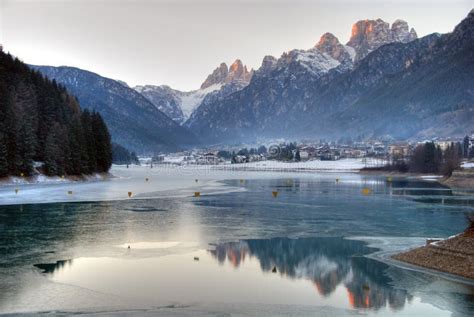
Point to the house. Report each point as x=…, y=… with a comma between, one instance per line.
x=304, y=155
x=209, y=158
x=239, y=159
x=399, y=150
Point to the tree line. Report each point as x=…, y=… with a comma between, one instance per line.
x=42, y=127
x=121, y=156
x=429, y=158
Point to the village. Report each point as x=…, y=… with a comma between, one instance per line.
x=385, y=151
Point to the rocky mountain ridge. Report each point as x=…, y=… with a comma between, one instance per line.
x=328, y=91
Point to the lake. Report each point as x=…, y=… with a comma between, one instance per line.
x=318, y=248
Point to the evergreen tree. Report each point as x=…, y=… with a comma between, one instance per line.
x=297, y=156
x=52, y=154
x=466, y=147
x=103, y=143
x=3, y=156
x=91, y=150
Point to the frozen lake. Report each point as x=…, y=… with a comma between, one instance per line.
x=234, y=250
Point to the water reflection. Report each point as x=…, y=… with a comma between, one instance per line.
x=52, y=267
x=431, y=193
x=326, y=262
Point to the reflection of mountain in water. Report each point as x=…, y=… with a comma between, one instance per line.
x=327, y=262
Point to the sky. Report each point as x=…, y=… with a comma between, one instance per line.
x=180, y=42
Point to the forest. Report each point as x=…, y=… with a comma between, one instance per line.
x=43, y=129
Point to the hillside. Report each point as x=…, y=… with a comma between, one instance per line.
x=134, y=122
x=383, y=82
x=42, y=126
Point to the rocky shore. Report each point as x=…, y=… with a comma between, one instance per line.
x=454, y=255
x=460, y=179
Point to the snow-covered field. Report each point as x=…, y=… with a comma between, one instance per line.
x=348, y=165
x=161, y=181
x=467, y=165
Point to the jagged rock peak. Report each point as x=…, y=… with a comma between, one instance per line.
x=401, y=32
x=368, y=35
x=218, y=76
x=225, y=75
x=238, y=72
x=269, y=63
x=329, y=44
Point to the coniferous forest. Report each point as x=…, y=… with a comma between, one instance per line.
x=42, y=126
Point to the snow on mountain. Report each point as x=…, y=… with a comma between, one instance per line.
x=192, y=99
x=132, y=119
x=165, y=99
x=314, y=60
x=179, y=105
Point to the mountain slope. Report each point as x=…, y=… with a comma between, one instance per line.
x=386, y=83
x=41, y=122
x=432, y=96
x=134, y=122
x=180, y=105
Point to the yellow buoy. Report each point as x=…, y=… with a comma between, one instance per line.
x=129, y=194
x=62, y=176
x=366, y=191
x=275, y=194
x=21, y=174
x=389, y=179
x=16, y=190
x=197, y=194
x=69, y=192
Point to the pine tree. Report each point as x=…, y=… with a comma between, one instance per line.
x=40, y=121
x=297, y=156
x=103, y=143
x=91, y=150
x=466, y=146
x=3, y=156
x=52, y=154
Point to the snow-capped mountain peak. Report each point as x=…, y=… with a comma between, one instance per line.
x=329, y=44
x=368, y=35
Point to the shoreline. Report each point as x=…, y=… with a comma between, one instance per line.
x=453, y=256
x=47, y=180
x=463, y=179
x=387, y=248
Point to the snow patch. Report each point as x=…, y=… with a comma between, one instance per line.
x=315, y=61
x=191, y=100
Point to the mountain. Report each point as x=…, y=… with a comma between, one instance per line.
x=165, y=98
x=222, y=75
x=368, y=35
x=43, y=129
x=133, y=120
x=179, y=105
x=431, y=96
x=383, y=81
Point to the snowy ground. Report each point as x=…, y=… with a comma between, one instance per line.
x=160, y=181
x=348, y=165
x=467, y=165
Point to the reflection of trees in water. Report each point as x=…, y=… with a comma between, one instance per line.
x=327, y=262
x=52, y=267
